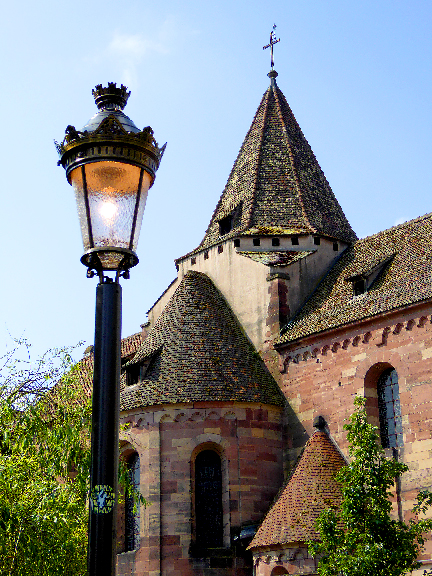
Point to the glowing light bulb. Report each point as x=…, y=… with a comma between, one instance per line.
x=108, y=211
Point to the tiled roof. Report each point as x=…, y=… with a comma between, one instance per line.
x=197, y=351
x=405, y=253
x=280, y=258
x=311, y=489
x=276, y=182
x=129, y=346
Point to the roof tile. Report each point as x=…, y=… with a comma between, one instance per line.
x=405, y=253
x=197, y=351
x=311, y=489
x=276, y=181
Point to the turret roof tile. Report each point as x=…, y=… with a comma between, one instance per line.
x=311, y=489
x=276, y=182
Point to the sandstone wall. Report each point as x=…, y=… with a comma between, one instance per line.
x=321, y=376
x=249, y=440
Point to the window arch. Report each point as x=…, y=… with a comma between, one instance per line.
x=208, y=500
x=132, y=512
x=278, y=571
x=389, y=409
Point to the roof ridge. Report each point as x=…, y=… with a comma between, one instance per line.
x=276, y=91
x=266, y=98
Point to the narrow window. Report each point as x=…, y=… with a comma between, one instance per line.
x=132, y=509
x=230, y=221
x=133, y=374
x=359, y=286
x=335, y=246
x=256, y=241
x=275, y=242
x=226, y=225
x=389, y=409
x=193, y=261
x=208, y=500
x=317, y=240
x=237, y=243
x=294, y=240
x=206, y=255
x=220, y=248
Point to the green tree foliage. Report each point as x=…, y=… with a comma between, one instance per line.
x=45, y=419
x=362, y=538
x=44, y=467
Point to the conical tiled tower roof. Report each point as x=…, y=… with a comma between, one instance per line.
x=311, y=489
x=198, y=352
x=276, y=185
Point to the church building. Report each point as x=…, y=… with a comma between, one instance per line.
x=235, y=393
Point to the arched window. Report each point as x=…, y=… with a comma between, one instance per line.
x=278, y=571
x=208, y=500
x=389, y=409
x=132, y=509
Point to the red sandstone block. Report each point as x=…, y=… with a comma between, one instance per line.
x=154, y=554
x=170, y=540
x=246, y=447
x=168, y=486
x=248, y=471
x=165, y=498
x=267, y=457
x=422, y=394
x=153, y=541
x=169, y=555
x=260, y=415
x=424, y=434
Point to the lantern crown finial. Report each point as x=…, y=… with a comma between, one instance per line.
x=110, y=97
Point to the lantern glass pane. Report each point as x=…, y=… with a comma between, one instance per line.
x=145, y=185
x=77, y=184
x=112, y=191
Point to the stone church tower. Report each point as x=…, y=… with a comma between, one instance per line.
x=280, y=315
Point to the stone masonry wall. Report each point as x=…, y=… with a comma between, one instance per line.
x=248, y=438
x=284, y=560
x=321, y=375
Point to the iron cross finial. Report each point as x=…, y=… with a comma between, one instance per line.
x=273, y=41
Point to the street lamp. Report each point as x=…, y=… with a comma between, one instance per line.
x=111, y=165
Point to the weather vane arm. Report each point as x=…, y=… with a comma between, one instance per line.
x=273, y=41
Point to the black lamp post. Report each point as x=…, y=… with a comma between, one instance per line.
x=111, y=165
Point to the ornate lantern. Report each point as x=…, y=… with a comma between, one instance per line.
x=111, y=165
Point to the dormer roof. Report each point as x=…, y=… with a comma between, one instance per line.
x=396, y=267
x=276, y=185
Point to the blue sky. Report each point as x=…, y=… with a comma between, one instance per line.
x=356, y=74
